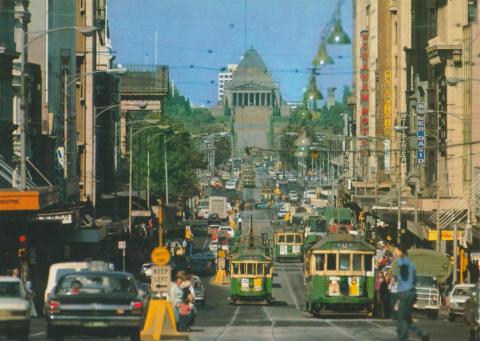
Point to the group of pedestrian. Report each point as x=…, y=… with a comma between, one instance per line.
x=385, y=287
x=182, y=296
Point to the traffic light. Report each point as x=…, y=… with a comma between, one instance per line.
x=22, y=246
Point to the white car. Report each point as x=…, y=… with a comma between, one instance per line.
x=310, y=194
x=15, y=307
x=230, y=185
x=227, y=231
x=457, y=298
x=213, y=246
x=199, y=289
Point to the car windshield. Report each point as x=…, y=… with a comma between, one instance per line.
x=96, y=284
x=10, y=289
x=464, y=291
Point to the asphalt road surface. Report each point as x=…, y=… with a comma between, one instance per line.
x=284, y=318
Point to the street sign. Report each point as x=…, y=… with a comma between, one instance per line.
x=420, y=138
x=420, y=108
x=160, y=280
x=141, y=213
x=122, y=244
x=160, y=256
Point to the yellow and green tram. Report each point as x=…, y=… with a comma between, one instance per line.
x=339, y=275
x=288, y=245
x=251, y=275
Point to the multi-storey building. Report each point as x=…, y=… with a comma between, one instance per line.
x=223, y=77
x=415, y=90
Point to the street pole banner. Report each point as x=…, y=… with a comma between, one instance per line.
x=387, y=157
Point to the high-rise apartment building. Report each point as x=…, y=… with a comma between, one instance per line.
x=225, y=76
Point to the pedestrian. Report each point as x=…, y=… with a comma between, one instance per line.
x=184, y=314
x=470, y=310
x=394, y=304
x=239, y=224
x=386, y=299
x=176, y=295
x=404, y=272
x=378, y=295
x=15, y=273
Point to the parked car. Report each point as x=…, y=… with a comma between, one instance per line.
x=456, y=299
x=95, y=304
x=230, y=185
x=199, y=290
x=14, y=309
x=292, y=179
x=227, y=231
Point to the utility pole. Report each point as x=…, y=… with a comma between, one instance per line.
x=455, y=255
x=130, y=180
x=148, y=170
x=166, y=167
x=22, y=109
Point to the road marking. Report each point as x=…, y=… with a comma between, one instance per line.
x=37, y=334
x=229, y=324
x=383, y=328
x=291, y=292
x=343, y=331
x=205, y=244
x=271, y=321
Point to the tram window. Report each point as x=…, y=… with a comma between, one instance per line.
x=289, y=238
x=236, y=267
x=267, y=269
x=243, y=270
x=332, y=261
x=357, y=262
x=259, y=269
x=320, y=262
x=250, y=269
x=368, y=262
x=344, y=262
x=281, y=238
x=298, y=239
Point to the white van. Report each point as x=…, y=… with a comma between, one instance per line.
x=57, y=270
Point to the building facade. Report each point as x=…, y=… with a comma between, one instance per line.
x=415, y=90
x=254, y=98
x=224, y=77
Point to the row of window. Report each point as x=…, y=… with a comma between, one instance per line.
x=252, y=98
x=343, y=262
x=251, y=269
x=289, y=238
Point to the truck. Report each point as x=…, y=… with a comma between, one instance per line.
x=218, y=205
x=433, y=269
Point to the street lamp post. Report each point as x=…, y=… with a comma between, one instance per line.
x=131, y=135
x=22, y=107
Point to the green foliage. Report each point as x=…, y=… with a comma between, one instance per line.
x=222, y=149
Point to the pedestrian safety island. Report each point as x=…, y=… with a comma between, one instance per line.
x=160, y=321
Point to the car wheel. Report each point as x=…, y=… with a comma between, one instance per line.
x=135, y=336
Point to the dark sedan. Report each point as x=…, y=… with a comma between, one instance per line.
x=95, y=303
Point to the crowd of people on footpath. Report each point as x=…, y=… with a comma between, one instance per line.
x=182, y=296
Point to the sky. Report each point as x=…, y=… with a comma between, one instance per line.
x=196, y=38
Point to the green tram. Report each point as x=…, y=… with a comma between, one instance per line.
x=288, y=245
x=251, y=275
x=339, y=275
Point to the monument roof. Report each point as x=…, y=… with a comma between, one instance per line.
x=252, y=60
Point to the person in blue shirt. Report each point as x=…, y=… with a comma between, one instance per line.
x=405, y=273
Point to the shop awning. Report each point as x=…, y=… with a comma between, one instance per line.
x=33, y=199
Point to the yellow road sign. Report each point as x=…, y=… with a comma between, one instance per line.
x=160, y=256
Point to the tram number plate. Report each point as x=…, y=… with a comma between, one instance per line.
x=283, y=249
x=244, y=284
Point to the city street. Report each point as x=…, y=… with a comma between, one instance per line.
x=284, y=318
